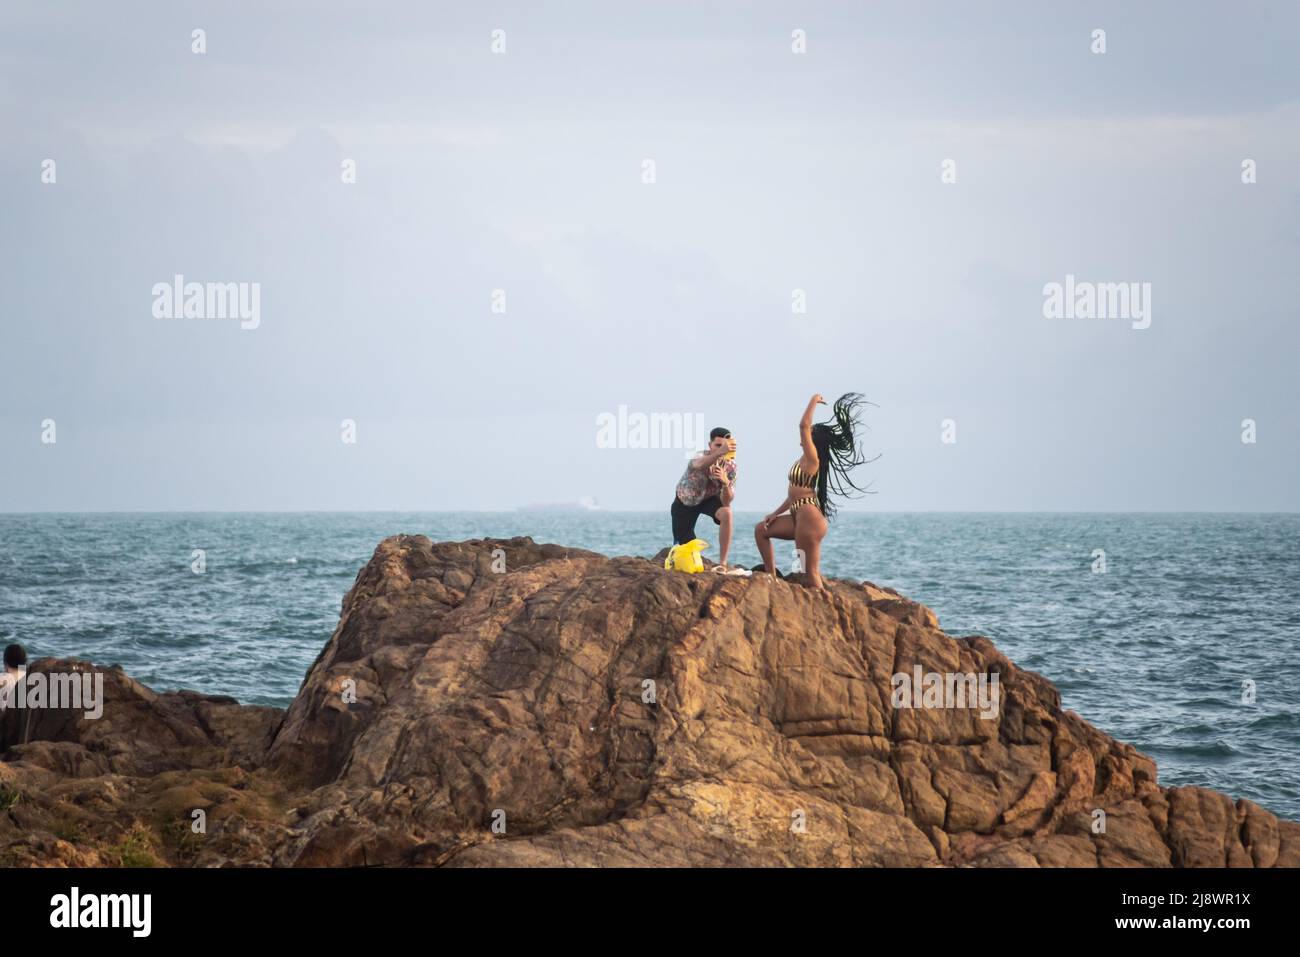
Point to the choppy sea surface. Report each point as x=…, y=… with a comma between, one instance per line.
x=1185, y=645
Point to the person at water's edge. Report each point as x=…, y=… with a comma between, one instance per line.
x=707, y=487
x=15, y=669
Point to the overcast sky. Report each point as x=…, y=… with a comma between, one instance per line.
x=524, y=171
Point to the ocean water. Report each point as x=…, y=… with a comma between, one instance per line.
x=1160, y=649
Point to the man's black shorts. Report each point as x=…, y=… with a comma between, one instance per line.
x=685, y=516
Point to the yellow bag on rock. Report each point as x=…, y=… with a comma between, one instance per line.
x=686, y=558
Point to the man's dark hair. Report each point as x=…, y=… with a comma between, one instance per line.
x=15, y=656
x=720, y=433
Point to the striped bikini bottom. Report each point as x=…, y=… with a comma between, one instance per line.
x=801, y=502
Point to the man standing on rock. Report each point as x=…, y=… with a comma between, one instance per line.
x=707, y=487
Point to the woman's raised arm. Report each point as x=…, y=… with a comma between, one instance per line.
x=805, y=427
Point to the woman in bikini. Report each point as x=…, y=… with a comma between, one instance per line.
x=830, y=451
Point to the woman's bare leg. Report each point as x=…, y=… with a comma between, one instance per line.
x=781, y=527
x=810, y=529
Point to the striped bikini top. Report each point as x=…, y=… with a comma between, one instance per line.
x=798, y=478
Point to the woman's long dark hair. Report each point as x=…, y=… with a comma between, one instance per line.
x=839, y=451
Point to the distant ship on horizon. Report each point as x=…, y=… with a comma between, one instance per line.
x=586, y=504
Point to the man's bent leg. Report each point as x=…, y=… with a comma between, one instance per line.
x=684, y=518
x=723, y=517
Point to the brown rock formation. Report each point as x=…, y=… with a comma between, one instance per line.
x=577, y=709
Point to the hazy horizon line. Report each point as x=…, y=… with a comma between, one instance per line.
x=633, y=511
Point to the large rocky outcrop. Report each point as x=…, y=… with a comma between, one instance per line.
x=493, y=703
